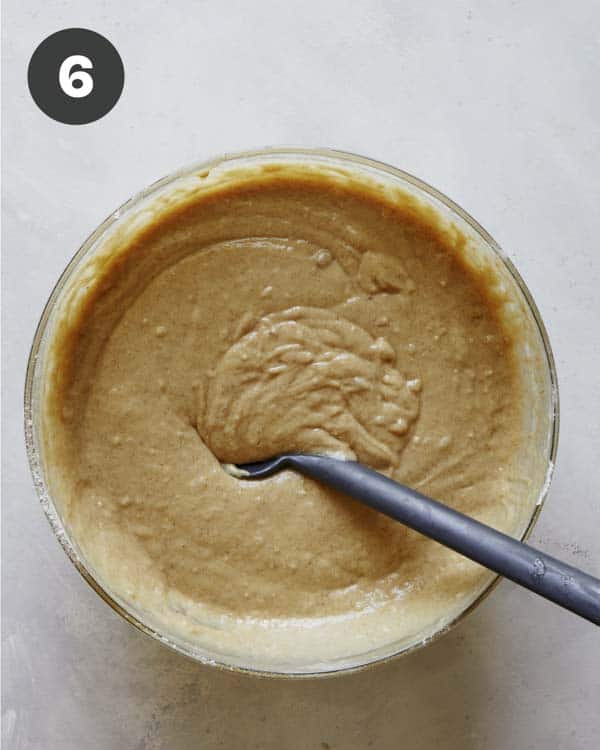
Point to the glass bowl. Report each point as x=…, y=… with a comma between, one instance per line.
x=536, y=368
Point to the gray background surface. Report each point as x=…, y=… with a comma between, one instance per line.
x=494, y=103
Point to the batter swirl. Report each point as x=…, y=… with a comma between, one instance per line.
x=307, y=380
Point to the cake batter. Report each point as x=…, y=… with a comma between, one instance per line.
x=288, y=310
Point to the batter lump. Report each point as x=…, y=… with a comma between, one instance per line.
x=289, y=310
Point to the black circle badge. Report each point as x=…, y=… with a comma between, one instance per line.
x=75, y=76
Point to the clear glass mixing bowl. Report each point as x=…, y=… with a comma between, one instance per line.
x=537, y=372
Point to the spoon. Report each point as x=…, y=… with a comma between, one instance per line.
x=555, y=580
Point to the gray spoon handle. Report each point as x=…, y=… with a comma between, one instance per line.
x=555, y=580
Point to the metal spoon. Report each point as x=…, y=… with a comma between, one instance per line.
x=555, y=580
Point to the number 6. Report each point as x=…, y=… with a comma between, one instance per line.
x=66, y=78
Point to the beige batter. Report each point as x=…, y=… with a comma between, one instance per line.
x=291, y=311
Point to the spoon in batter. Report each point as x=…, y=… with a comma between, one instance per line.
x=554, y=580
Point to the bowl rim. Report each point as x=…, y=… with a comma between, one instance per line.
x=33, y=375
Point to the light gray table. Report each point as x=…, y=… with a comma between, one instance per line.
x=497, y=105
